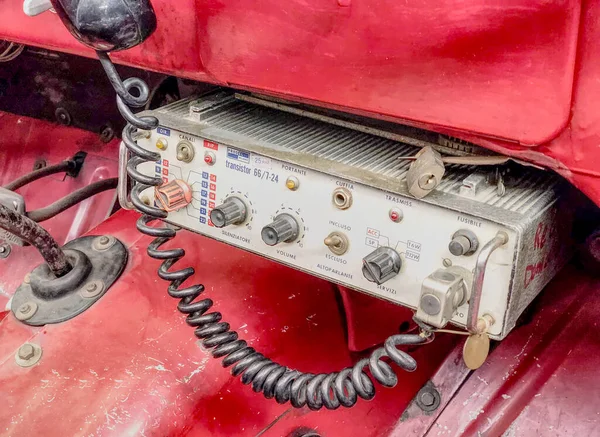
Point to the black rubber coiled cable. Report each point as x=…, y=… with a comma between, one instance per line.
x=273, y=380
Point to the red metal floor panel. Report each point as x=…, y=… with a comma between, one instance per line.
x=27, y=140
x=130, y=365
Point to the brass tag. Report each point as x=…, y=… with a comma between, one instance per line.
x=476, y=350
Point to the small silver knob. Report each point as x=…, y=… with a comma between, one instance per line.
x=464, y=242
x=283, y=229
x=231, y=212
x=382, y=264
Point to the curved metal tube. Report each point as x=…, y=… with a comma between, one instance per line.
x=500, y=239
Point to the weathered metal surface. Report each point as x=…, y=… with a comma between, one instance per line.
x=514, y=82
x=94, y=267
x=541, y=380
x=24, y=142
x=130, y=365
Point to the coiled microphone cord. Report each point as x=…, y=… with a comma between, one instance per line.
x=329, y=390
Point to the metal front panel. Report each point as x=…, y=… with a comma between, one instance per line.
x=421, y=237
x=254, y=150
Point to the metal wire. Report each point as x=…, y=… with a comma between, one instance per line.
x=12, y=51
x=38, y=174
x=273, y=380
x=42, y=214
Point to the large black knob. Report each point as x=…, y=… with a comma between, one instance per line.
x=283, y=229
x=231, y=212
x=382, y=264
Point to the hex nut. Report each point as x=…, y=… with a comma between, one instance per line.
x=26, y=352
x=428, y=399
x=28, y=355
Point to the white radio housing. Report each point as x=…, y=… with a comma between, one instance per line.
x=281, y=163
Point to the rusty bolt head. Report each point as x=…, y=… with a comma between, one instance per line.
x=26, y=352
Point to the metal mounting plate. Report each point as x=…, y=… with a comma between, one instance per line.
x=107, y=257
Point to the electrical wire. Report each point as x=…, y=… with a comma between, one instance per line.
x=42, y=214
x=12, y=51
x=61, y=167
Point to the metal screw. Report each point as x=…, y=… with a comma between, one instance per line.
x=4, y=250
x=39, y=163
x=104, y=242
x=447, y=262
x=427, y=399
x=27, y=278
x=427, y=182
x=26, y=311
x=26, y=352
x=92, y=289
x=107, y=134
x=63, y=116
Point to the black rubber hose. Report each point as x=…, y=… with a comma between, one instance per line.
x=29, y=231
x=42, y=214
x=38, y=174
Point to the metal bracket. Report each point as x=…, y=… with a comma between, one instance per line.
x=123, y=187
x=43, y=298
x=500, y=239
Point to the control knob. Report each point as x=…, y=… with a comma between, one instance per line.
x=464, y=243
x=382, y=264
x=283, y=229
x=232, y=211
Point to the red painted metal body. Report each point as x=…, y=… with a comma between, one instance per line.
x=131, y=366
x=519, y=77
x=32, y=140
x=516, y=76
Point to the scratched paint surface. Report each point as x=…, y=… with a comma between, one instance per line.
x=28, y=142
x=130, y=365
